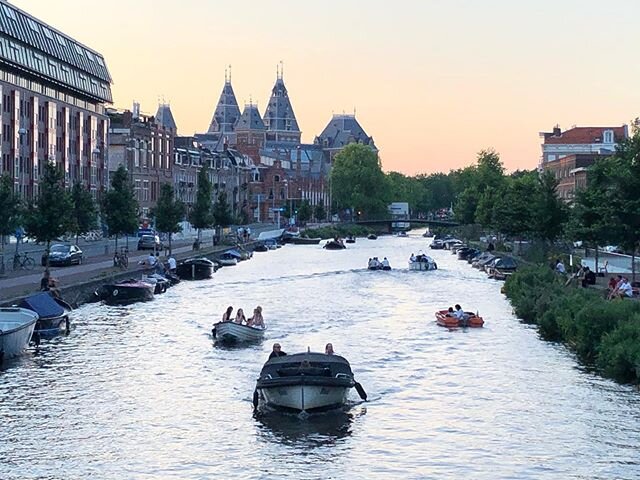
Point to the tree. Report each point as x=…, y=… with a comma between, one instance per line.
x=304, y=212
x=10, y=212
x=84, y=215
x=355, y=176
x=550, y=212
x=319, y=212
x=221, y=211
x=201, y=215
x=168, y=212
x=513, y=213
x=120, y=205
x=49, y=217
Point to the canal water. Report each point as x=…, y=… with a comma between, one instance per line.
x=142, y=392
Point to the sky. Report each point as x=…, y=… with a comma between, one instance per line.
x=433, y=81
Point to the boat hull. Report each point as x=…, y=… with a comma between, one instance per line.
x=304, y=398
x=304, y=241
x=16, y=328
x=199, y=269
x=123, y=294
x=423, y=266
x=473, y=321
x=227, y=262
x=53, y=313
x=231, y=332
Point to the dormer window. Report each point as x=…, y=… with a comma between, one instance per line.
x=608, y=136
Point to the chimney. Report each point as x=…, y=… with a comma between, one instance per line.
x=556, y=131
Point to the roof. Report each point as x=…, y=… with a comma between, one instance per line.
x=33, y=46
x=583, y=135
x=250, y=119
x=279, y=114
x=343, y=130
x=164, y=117
x=227, y=111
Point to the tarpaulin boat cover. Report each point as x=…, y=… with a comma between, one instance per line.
x=43, y=304
x=233, y=253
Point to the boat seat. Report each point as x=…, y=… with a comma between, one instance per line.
x=310, y=371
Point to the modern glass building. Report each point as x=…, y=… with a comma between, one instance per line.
x=53, y=91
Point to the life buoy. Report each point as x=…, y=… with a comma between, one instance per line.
x=115, y=292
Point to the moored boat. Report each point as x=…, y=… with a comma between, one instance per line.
x=232, y=332
x=196, y=269
x=53, y=313
x=372, y=236
x=124, y=293
x=16, y=328
x=228, y=258
x=304, y=241
x=444, y=319
x=305, y=382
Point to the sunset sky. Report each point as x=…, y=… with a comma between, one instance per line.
x=433, y=81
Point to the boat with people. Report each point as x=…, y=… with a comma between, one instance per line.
x=422, y=262
x=16, y=328
x=126, y=292
x=198, y=268
x=305, y=382
x=446, y=318
x=232, y=332
x=376, y=264
x=53, y=313
x=351, y=239
x=335, y=244
x=428, y=234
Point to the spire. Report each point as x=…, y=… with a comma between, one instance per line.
x=165, y=118
x=227, y=111
x=279, y=117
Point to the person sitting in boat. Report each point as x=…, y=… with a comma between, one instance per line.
x=450, y=312
x=461, y=315
x=226, y=316
x=256, y=321
x=412, y=258
x=276, y=352
x=328, y=349
x=385, y=263
x=240, y=318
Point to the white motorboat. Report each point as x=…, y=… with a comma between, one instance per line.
x=423, y=262
x=305, y=382
x=232, y=332
x=16, y=328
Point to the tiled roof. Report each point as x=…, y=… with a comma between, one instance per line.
x=584, y=135
x=30, y=44
x=279, y=114
x=343, y=130
x=227, y=111
x=250, y=119
x=165, y=118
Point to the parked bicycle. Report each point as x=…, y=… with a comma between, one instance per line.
x=22, y=261
x=121, y=259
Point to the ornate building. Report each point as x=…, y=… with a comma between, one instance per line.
x=53, y=92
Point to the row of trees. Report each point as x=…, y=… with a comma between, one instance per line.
x=58, y=211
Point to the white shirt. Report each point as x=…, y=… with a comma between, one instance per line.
x=385, y=263
x=151, y=260
x=459, y=314
x=172, y=263
x=626, y=289
x=560, y=268
x=413, y=258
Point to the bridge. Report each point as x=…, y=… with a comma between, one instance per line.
x=388, y=222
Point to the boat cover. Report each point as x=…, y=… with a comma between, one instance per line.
x=43, y=304
x=233, y=253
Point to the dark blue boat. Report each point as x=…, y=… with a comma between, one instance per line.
x=53, y=312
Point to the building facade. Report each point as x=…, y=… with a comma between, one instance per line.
x=569, y=154
x=144, y=144
x=53, y=92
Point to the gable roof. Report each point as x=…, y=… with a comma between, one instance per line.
x=583, y=135
x=250, y=119
x=343, y=130
x=227, y=112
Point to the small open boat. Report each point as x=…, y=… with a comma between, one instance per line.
x=228, y=259
x=125, y=293
x=16, y=328
x=232, y=332
x=196, y=269
x=372, y=236
x=304, y=241
x=53, y=313
x=334, y=245
x=444, y=320
x=351, y=239
x=423, y=262
x=305, y=382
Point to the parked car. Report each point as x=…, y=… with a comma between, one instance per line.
x=62, y=254
x=149, y=242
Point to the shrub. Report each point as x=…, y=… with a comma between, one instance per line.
x=619, y=352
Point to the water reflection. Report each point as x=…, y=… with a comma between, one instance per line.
x=311, y=431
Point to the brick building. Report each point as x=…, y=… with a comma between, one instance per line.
x=53, y=92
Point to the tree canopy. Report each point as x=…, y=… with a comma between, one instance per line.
x=201, y=215
x=222, y=211
x=120, y=205
x=84, y=215
x=168, y=212
x=10, y=206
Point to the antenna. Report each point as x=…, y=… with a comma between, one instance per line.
x=229, y=73
x=281, y=69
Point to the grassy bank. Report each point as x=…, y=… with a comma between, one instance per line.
x=603, y=333
x=338, y=231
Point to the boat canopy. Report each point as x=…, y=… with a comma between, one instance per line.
x=43, y=304
x=271, y=234
x=233, y=253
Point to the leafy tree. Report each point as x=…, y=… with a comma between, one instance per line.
x=49, y=217
x=168, y=212
x=10, y=212
x=319, y=212
x=84, y=215
x=201, y=215
x=513, y=214
x=304, y=212
x=222, y=211
x=120, y=205
x=355, y=176
x=550, y=212
x=466, y=206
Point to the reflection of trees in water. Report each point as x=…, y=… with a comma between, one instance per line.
x=317, y=430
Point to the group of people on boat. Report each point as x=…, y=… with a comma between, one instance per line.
x=458, y=313
x=278, y=352
x=256, y=321
x=421, y=257
x=376, y=264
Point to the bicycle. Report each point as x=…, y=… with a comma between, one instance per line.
x=121, y=259
x=21, y=261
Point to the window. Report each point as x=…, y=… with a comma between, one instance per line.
x=33, y=25
x=89, y=55
x=608, y=136
x=100, y=62
x=47, y=33
x=78, y=49
x=9, y=12
x=61, y=40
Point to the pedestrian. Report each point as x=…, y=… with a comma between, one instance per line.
x=172, y=264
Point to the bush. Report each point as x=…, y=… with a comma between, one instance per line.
x=619, y=353
x=337, y=231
